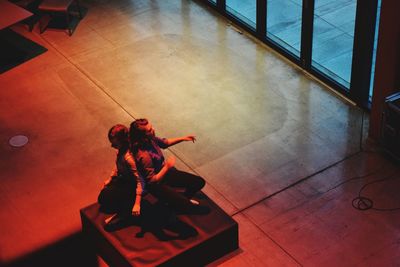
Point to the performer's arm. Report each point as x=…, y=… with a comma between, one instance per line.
x=169, y=163
x=136, y=206
x=139, y=183
x=149, y=172
x=167, y=142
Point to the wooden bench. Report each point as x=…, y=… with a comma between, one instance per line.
x=190, y=240
x=53, y=7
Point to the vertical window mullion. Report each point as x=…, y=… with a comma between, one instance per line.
x=221, y=5
x=362, y=51
x=307, y=33
x=261, y=18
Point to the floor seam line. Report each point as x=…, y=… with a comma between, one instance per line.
x=270, y=238
x=297, y=182
x=84, y=73
x=193, y=170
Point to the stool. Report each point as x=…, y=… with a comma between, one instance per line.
x=32, y=6
x=58, y=6
x=202, y=238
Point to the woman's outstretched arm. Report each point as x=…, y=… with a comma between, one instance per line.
x=177, y=140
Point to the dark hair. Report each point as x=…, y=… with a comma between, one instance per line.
x=120, y=132
x=137, y=135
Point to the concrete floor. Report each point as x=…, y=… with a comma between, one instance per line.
x=274, y=145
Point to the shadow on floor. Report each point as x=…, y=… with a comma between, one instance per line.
x=159, y=220
x=71, y=251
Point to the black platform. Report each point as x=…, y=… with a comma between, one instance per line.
x=166, y=240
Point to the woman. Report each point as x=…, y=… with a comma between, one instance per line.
x=122, y=192
x=159, y=174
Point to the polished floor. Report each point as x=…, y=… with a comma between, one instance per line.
x=280, y=152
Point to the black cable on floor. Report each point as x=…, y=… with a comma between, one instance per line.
x=357, y=177
x=365, y=203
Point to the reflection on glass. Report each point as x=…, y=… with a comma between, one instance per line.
x=245, y=10
x=213, y=1
x=333, y=36
x=378, y=13
x=284, y=24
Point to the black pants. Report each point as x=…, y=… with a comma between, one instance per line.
x=118, y=196
x=174, y=178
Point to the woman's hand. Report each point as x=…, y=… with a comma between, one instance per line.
x=136, y=210
x=189, y=138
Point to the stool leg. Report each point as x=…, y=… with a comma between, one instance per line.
x=42, y=27
x=44, y=17
x=79, y=9
x=68, y=23
x=31, y=24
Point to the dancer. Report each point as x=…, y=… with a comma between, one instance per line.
x=160, y=175
x=122, y=192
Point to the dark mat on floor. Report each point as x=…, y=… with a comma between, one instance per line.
x=15, y=49
x=159, y=238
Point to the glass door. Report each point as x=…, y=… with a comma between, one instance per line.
x=244, y=10
x=284, y=22
x=333, y=37
x=378, y=13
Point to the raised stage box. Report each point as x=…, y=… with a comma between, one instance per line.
x=159, y=238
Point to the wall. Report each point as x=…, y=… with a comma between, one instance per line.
x=387, y=70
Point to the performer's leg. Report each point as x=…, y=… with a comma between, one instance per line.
x=191, y=182
x=117, y=198
x=169, y=195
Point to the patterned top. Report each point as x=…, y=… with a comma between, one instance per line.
x=125, y=166
x=150, y=159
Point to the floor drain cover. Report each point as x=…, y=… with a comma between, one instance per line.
x=18, y=140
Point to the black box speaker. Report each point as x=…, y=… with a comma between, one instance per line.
x=391, y=125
